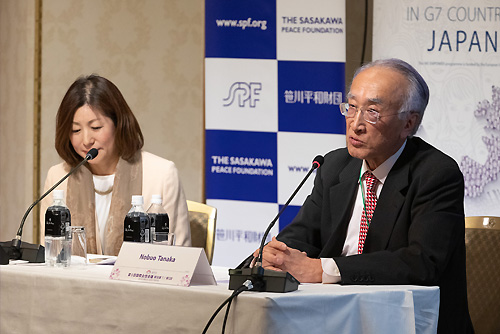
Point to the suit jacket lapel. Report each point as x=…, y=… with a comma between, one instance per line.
x=390, y=201
x=342, y=197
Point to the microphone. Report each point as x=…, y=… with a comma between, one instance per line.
x=267, y=280
x=35, y=253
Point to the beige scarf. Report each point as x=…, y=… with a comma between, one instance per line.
x=81, y=203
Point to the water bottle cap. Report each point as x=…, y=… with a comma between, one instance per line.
x=58, y=194
x=156, y=199
x=137, y=200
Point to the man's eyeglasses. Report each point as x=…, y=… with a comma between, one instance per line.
x=369, y=115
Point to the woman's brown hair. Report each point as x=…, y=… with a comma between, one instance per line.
x=103, y=96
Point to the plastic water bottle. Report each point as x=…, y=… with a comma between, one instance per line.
x=158, y=216
x=58, y=232
x=136, y=225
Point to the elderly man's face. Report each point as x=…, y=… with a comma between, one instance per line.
x=380, y=89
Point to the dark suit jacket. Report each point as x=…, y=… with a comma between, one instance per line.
x=416, y=235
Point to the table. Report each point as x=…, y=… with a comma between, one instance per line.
x=39, y=299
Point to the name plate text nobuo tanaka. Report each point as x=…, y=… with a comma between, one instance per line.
x=172, y=265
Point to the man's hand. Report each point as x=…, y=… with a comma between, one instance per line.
x=278, y=256
x=271, y=255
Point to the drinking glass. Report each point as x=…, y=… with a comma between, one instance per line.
x=78, y=247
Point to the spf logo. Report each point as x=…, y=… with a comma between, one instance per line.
x=244, y=93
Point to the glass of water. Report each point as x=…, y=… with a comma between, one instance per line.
x=78, y=247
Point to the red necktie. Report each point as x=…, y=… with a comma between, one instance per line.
x=369, y=207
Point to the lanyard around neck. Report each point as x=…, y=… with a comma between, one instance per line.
x=363, y=197
x=362, y=188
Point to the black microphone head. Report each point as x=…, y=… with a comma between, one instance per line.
x=92, y=154
x=318, y=161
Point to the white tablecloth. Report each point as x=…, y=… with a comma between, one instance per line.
x=39, y=299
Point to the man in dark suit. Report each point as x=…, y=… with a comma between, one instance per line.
x=388, y=208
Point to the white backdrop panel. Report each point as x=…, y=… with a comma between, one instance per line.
x=241, y=94
x=296, y=152
x=240, y=227
x=306, y=32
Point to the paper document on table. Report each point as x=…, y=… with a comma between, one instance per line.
x=101, y=259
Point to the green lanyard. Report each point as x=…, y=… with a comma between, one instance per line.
x=363, y=196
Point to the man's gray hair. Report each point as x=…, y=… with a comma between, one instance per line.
x=417, y=96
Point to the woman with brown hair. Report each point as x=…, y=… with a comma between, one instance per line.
x=94, y=114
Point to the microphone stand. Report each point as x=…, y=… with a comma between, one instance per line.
x=17, y=249
x=267, y=280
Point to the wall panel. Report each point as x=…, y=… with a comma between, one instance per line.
x=152, y=50
x=17, y=29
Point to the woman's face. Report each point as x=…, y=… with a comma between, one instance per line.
x=91, y=129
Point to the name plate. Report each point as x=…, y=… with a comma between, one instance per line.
x=171, y=265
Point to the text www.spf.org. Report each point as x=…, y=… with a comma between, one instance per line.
x=298, y=169
x=248, y=23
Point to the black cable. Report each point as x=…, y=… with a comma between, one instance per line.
x=246, y=286
x=365, y=34
x=226, y=316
